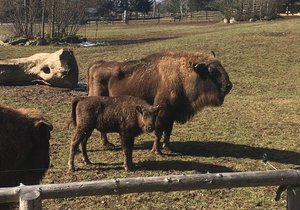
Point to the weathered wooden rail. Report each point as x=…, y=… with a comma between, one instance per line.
x=30, y=196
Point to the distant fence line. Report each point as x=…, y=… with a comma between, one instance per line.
x=195, y=16
x=30, y=196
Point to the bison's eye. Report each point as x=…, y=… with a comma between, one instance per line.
x=215, y=73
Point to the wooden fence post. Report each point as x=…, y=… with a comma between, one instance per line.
x=30, y=201
x=293, y=198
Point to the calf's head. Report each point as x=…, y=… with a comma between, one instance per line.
x=147, y=116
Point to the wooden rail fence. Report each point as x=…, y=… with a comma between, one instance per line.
x=30, y=197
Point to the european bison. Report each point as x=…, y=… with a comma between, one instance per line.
x=129, y=116
x=182, y=83
x=24, y=146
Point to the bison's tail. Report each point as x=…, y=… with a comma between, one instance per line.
x=73, y=114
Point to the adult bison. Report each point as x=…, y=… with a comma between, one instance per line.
x=24, y=146
x=181, y=83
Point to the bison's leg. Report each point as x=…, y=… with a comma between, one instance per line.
x=156, y=144
x=105, y=143
x=168, y=131
x=83, y=147
x=159, y=127
x=78, y=137
x=127, y=146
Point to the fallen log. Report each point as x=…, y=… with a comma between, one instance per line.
x=58, y=69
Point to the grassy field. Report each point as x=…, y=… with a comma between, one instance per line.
x=260, y=115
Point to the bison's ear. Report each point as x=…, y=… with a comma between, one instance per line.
x=42, y=130
x=201, y=69
x=140, y=109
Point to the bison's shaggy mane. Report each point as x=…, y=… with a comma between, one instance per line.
x=24, y=115
x=184, y=109
x=196, y=56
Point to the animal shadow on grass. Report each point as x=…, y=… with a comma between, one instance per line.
x=178, y=165
x=101, y=167
x=139, y=41
x=160, y=166
x=224, y=149
x=164, y=165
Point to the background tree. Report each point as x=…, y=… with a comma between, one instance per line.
x=123, y=6
x=198, y=5
x=178, y=7
x=227, y=7
x=249, y=9
x=143, y=6
x=64, y=16
x=106, y=7
x=69, y=16
x=23, y=14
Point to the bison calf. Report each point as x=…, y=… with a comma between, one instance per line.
x=129, y=116
x=24, y=146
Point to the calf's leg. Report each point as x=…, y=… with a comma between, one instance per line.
x=105, y=143
x=83, y=147
x=127, y=146
x=76, y=140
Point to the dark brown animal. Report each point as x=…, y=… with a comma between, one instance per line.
x=24, y=146
x=182, y=83
x=129, y=116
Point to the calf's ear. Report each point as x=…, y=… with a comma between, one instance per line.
x=140, y=109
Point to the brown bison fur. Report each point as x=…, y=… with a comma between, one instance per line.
x=24, y=146
x=182, y=83
x=129, y=116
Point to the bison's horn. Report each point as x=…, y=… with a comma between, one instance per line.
x=214, y=54
x=158, y=107
x=50, y=126
x=200, y=65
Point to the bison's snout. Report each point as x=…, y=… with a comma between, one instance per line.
x=228, y=87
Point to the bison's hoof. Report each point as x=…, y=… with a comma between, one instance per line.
x=86, y=161
x=157, y=151
x=129, y=167
x=167, y=147
x=108, y=146
x=71, y=169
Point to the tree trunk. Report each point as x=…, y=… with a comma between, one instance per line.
x=43, y=18
x=57, y=69
x=124, y=18
x=25, y=18
x=52, y=18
